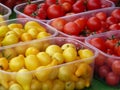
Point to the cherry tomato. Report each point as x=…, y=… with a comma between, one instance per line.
x=81, y=22
x=112, y=79
x=50, y=2
x=55, y=11
x=98, y=43
x=29, y=9
x=93, y=4
x=43, y=6
x=100, y=60
x=116, y=67
x=117, y=49
x=103, y=71
x=66, y=6
x=78, y=6
x=10, y=3
x=111, y=20
x=71, y=28
x=111, y=42
x=94, y=24
x=70, y=1
x=101, y=15
x=58, y=23
x=114, y=27
x=116, y=14
x=109, y=62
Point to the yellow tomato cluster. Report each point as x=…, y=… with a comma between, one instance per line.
x=16, y=32
x=49, y=69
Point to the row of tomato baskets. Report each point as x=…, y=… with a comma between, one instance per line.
x=98, y=27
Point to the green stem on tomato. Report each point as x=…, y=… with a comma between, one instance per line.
x=29, y=2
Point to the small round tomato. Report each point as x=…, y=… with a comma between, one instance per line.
x=114, y=27
x=78, y=6
x=29, y=9
x=112, y=79
x=94, y=24
x=103, y=71
x=101, y=15
x=111, y=20
x=55, y=11
x=93, y=4
x=98, y=43
x=109, y=62
x=50, y=2
x=116, y=14
x=117, y=49
x=66, y=6
x=44, y=6
x=71, y=28
x=81, y=22
x=100, y=60
x=58, y=23
x=116, y=67
x=70, y=1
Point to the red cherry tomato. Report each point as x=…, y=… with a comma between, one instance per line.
x=70, y=1
x=66, y=6
x=116, y=14
x=50, y=2
x=103, y=71
x=29, y=9
x=117, y=49
x=71, y=28
x=116, y=67
x=109, y=62
x=58, y=23
x=78, y=6
x=55, y=11
x=94, y=24
x=112, y=79
x=43, y=6
x=101, y=15
x=98, y=43
x=93, y=4
x=114, y=27
x=111, y=20
x=81, y=22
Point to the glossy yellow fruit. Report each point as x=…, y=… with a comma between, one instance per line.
x=21, y=49
x=32, y=62
x=2, y=87
x=70, y=54
x=35, y=85
x=3, y=30
x=11, y=32
x=15, y=87
x=24, y=78
x=18, y=31
x=3, y=63
x=33, y=32
x=52, y=49
x=15, y=25
x=66, y=45
x=43, y=35
x=16, y=63
x=31, y=51
x=44, y=58
x=26, y=37
x=70, y=85
x=80, y=84
x=47, y=85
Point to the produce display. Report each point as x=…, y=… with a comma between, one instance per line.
x=107, y=64
x=48, y=64
x=50, y=9
x=23, y=30
x=84, y=24
x=4, y=12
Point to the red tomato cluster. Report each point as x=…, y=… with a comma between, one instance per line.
x=50, y=9
x=108, y=68
x=84, y=26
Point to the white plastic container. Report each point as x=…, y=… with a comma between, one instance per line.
x=19, y=8
x=5, y=11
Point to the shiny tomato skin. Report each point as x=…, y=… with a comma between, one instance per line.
x=67, y=6
x=114, y=27
x=101, y=15
x=100, y=60
x=98, y=43
x=116, y=67
x=94, y=24
x=71, y=28
x=93, y=4
x=117, y=49
x=50, y=2
x=29, y=9
x=55, y=11
x=70, y=1
x=116, y=14
x=112, y=79
x=111, y=20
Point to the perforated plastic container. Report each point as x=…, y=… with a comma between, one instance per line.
x=104, y=61
x=24, y=29
x=19, y=8
x=52, y=75
x=86, y=15
x=5, y=12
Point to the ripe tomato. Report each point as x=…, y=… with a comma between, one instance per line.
x=66, y=6
x=116, y=67
x=71, y=28
x=29, y=9
x=114, y=27
x=98, y=43
x=101, y=15
x=103, y=71
x=117, y=49
x=78, y=6
x=111, y=20
x=55, y=11
x=109, y=62
x=81, y=22
x=70, y=1
x=94, y=24
x=50, y=2
x=112, y=79
x=111, y=42
x=116, y=14
x=100, y=60
x=93, y=4
x=10, y=3
x=43, y=6
x=58, y=23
